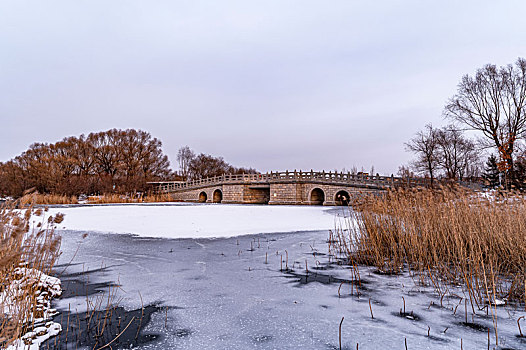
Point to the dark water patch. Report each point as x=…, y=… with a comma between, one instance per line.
x=475, y=326
x=323, y=267
x=330, y=266
x=438, y=339
x=64, y=266
x=306, y=278
x=114, y=325
x=62, y=275
x=521, y=339
x=77, y=284
x=315, y=253
x=78, y=287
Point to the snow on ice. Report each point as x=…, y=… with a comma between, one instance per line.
x=180, y=220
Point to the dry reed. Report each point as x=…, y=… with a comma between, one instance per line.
x=446, y=237
x=108, y=198
x=23, y=244
x=46, y=199
x=130, y=198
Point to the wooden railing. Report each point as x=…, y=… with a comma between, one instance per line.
x=287, y=176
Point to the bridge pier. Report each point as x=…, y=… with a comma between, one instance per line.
x=286, y=193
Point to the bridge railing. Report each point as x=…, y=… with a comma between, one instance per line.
x=327, y=177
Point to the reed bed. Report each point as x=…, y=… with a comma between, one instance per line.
x=47, y=199
x=130, y=198
x=50, y=199
x=446, y=237
x=24, y=246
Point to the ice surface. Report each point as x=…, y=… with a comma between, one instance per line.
x=229, y=293
x=220, y=293
x=178, y=220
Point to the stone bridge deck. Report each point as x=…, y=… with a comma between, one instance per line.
x=314, y=188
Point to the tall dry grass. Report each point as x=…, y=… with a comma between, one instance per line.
x=447, y=237
x=108, y=198
x=25, y=244
x=46, y=199
x=130, y=198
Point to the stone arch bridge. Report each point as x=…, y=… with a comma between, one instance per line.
x=311, y=188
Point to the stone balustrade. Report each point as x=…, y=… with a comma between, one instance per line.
x=294, y=176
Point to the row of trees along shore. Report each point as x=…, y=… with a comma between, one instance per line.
x=101, y=162
x=493, y=104
x=112, y=161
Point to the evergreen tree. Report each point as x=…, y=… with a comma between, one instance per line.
x=491, y=172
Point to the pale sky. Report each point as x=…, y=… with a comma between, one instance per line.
x=272, y=85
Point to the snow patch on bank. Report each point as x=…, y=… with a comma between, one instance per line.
x=46, y=288
x=177, y=220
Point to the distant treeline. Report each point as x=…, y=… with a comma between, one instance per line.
x=113, y=161
x=101, y=162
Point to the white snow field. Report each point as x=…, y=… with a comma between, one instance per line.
x=181, y=220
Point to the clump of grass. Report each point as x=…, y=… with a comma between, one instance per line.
x=50, y=198
x=130, y=198
x=112, y=198
x=21, y=245
x=47, y=199
x=448, y=236
x=157, y=197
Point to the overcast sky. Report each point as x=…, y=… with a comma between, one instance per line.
x=273, y=85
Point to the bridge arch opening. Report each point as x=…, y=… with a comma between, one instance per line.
x=202, y=197
x=342, y=198
x=218, y=196
x=317, y=196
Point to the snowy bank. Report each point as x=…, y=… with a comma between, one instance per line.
x=177, y=220
x=46, y=288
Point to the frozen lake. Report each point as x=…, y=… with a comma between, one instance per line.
x=229, y=292
x=183, y=220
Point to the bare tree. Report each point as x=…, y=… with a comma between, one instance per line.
x=405, y=172
x=205, y=165
x=185, y=156
x=456, y=153
x=425, y=146
x=494, y=102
